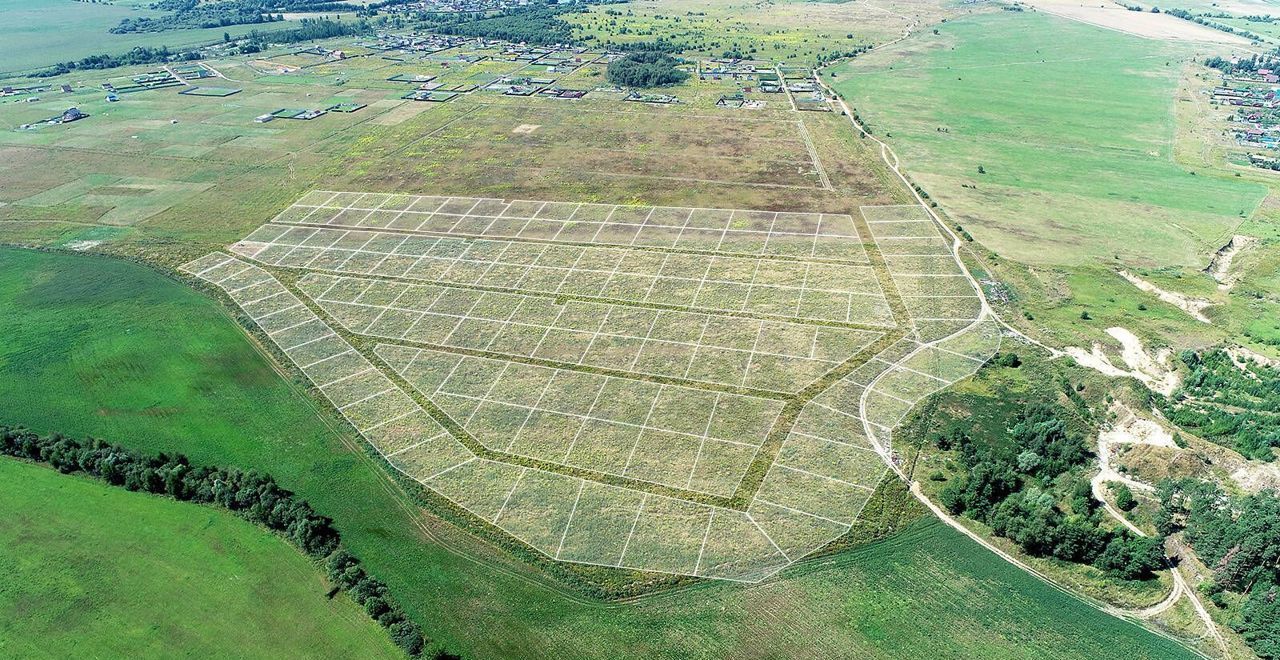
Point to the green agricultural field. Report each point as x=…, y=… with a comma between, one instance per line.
x=1073, y=127
x=161, y=578
x=39, y=33
x=103, y=347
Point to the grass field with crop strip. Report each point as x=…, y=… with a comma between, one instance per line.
x=161, y=368
x=1073, y=127
x=95, y=570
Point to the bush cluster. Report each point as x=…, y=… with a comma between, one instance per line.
x=645, y=69
x=1010, y=486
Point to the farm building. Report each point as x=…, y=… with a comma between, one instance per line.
x=69, y=115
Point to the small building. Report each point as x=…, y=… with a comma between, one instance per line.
x=262, y=119
x=731, y=101
x=112, y=97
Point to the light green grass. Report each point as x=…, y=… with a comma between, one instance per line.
x=39, y=33
x=95, y=346
x=1073, y=126
x=93, y=570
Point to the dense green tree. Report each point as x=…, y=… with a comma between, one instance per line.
x=1132, y=557
x=645, y=69
x=1259, y=622
x=1124, y=497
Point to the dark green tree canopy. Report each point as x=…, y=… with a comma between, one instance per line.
x=646, y=69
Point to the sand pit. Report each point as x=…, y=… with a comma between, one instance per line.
x=1220, y=266
x=1131, y=429
x=1156, y=372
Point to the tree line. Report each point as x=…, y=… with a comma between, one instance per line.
x=192, y=14
x=1188, y=16
x=534, y=24
x=136, y=55
x=195, y=19
x=251, y=495
x=308, y=29
x=1244, y=64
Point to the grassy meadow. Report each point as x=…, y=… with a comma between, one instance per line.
x=38, y=33
x=93, y=570
x=791, y=31
x=108, y=348
x=1073, y=126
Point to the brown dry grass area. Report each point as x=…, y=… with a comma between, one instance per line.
x=620, y=153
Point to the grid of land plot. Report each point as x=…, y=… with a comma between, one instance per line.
x=674, y=436
x=803, y=290
x=717, y=409
x=390, y=420
x=726, y=231
x=751, y=353
x=936, y=293
x=567, y=517
x=893, y=382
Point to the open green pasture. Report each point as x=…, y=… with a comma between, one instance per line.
x=39, y=33
x=1072, y=126
x=161, y=578
x=102, y=347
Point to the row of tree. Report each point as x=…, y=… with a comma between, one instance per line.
x=1244, y=64
x=251, y=495
x=196, y=19
x=1238, y=538
x=193, y=14
x=308, y=29
x=534, y=24
x=135, y=56
x=1188, y=16
x=1015, y=484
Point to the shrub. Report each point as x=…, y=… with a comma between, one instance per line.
x=1124, y=497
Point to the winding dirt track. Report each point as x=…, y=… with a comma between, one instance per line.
x=891, y=160
x=1180, y=587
